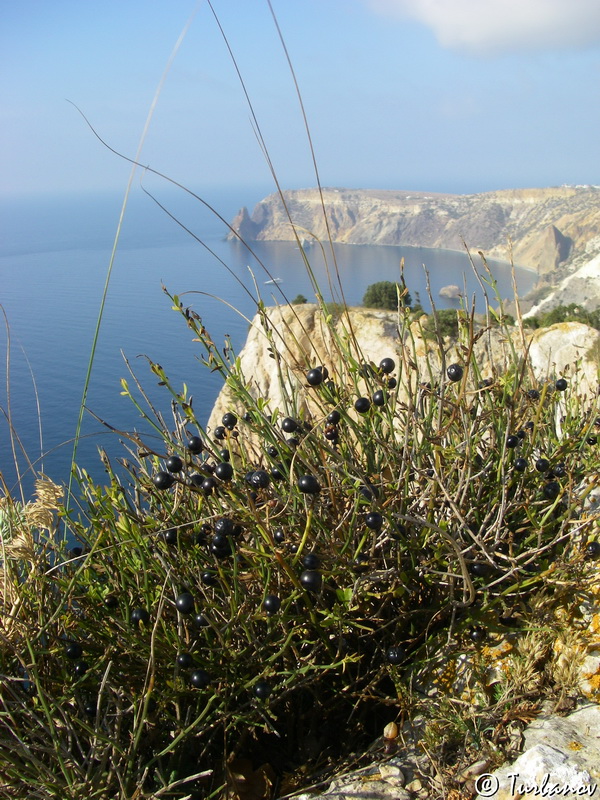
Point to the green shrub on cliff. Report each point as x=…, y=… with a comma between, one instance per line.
x=569, y=313
x=388, y=295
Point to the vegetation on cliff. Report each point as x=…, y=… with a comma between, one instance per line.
x=569, y=313
x=225, y=610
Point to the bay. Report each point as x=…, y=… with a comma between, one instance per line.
x=54, y=255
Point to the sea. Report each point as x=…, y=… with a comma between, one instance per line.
x=55, y=253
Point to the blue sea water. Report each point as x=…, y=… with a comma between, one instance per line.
x=54, y=255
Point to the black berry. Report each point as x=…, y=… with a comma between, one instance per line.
x=316, y=376
x=278, y=473
x=208, y=578
x=387, y=365
x=229, y=420
x=592, y=550
x=478, y=634
x=81, y=668
x=454, y=372
x=185, y=660
x=224, y=471
x=395, y=655
x=362, y=405
x=208, y=484
x=163, y=480
x=551, y=490
x=194, y=444
x=199, y=678
x=311, y=561
x=185, y=603
x=379, y=398
x=311, y=580
x=308, y=484
x=73, y=650
x=224, y=526
x=171, y=536
x=374, y=520
x=272, y=604
x=260, y=479
x=174, y=464
x=140, y=615
x=262, y=690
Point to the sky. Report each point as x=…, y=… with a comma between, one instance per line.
x=432, y=95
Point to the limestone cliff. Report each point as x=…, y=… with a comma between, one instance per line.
x=581, y=287
x=302, y=339
x=547, y=228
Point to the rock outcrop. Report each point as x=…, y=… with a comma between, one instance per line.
x=452, y=291
x=543, y=229
x=561, y=757
x=581, y=287
x=303, y=339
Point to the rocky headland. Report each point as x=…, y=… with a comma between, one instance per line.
x=554, y=231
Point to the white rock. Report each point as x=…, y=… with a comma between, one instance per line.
x=566, y=349
x=559, y=752
x=452, y=291
x=392, y=774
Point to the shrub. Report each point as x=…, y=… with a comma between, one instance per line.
x=443, y=323
x=207, y=610
x=385, y=294
x=569, y=313
x=299, y=300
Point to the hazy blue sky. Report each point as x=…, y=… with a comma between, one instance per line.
x=446, y=95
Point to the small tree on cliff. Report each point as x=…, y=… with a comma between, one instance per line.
x=386, y=294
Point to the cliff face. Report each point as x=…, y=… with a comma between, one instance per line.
x=548, y=228
x=302, y=338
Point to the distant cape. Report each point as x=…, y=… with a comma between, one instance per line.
x=541, y=229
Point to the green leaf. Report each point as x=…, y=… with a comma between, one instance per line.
x=344, y=595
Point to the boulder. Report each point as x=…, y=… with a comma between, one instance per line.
x=452, y=291
x=569, y=349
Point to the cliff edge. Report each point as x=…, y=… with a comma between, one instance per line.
x=303, y=336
